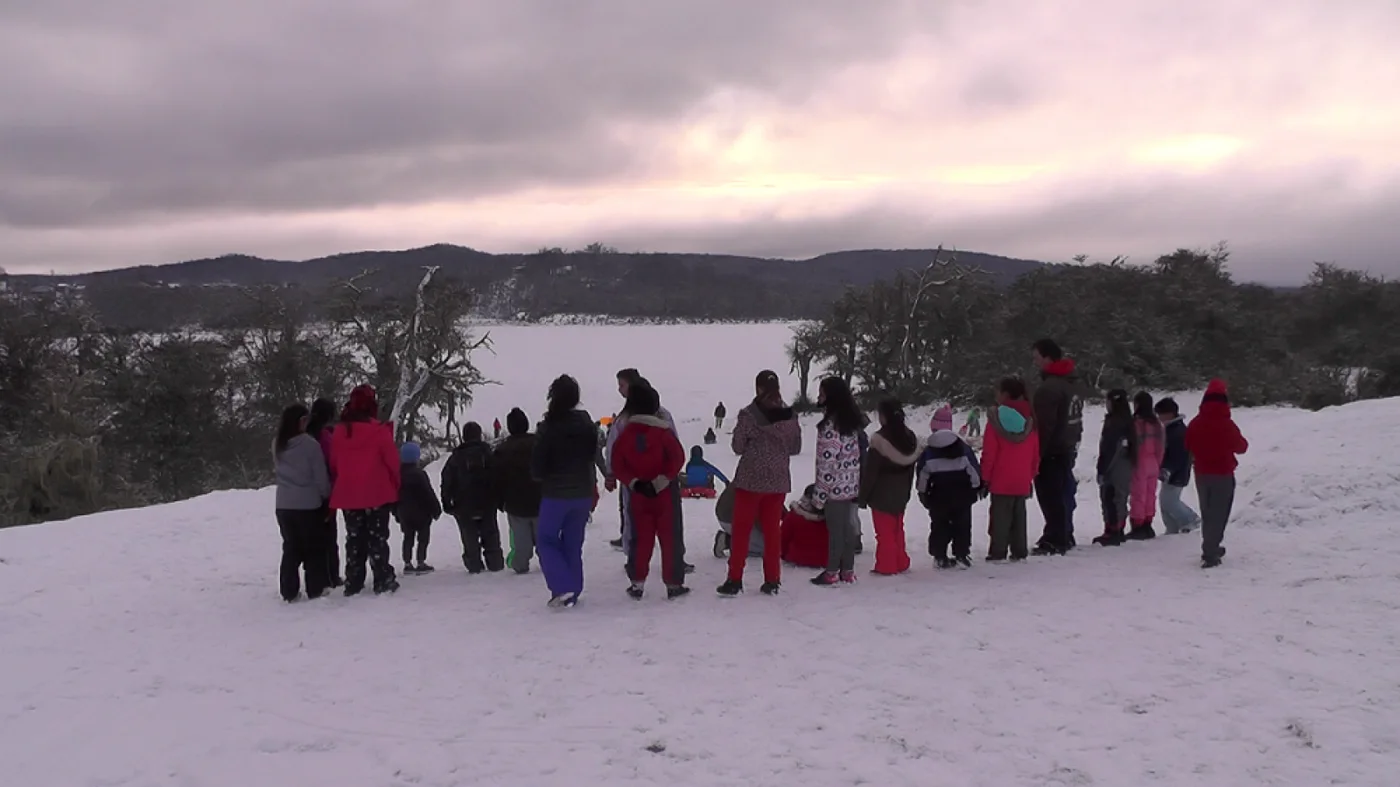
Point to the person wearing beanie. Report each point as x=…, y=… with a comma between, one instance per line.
x=646, y=459
x=365, y=464
x=942, y=420
x=1215, y=442
x=470, y=495
x=1010, y=459
x=416, y=510
x=519, y=491
x=949, y=481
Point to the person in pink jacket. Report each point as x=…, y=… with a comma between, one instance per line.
x=365, y=466
x=1152, y=448
x=1010, y=462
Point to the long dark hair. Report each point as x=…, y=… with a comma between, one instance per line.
x=290, y=426
x=322, y=413
x=768, y=389
x=1142, y=407
x=563, y=397
x=893, y=428
x=839, y=407
x=1120, y=417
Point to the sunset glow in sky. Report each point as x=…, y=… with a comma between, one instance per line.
x=149, y=131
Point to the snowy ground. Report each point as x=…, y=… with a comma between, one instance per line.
x=149, y=647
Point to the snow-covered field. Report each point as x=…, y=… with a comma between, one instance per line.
x=150, y=647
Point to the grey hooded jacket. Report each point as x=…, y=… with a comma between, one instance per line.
x=303, y=482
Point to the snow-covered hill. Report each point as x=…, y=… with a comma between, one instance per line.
x=149, y=647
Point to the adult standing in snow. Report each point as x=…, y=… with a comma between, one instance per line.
x=766, y=436
x=469, y=494
x=720, y=414
x=647, y=459
x=1059, y=417
x=303, y=486
x=564, y=462
x=519, y=491
x=1215, y=443
x=319, y=427
x=838, y=477
x=365, y=464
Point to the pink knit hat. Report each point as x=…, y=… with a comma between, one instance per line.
x=942, y=419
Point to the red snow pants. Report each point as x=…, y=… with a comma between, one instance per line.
x=656, y=519
x=767, y=509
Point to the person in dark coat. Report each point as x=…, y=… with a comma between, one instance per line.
x=519, y=491
x=319, y=427
x=469, y=494
x=565, y=462
x=886, y=480
x=1058, y=406
x=417, y=509
x=1177, y=517
x=720, y=414
x=1118, y=457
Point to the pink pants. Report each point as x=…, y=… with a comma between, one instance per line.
x=1142, y=505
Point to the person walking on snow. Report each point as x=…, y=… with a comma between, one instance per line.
x=886, y=482
x=973, y=426
x=838, y=477
x=319, y=427
x=1177, y=517
x=1151, y=450
x=365, y=465
x=647, y=460
x=1010, y=458
x=1118, y=456
x=565, y=463
x=303, y=486
x=418, y=508
x=949, y=483
x=1215, y=442
x=469, y=494
x=766, y=436
x=519, y=492
x=720, y=414
x=1059, y=417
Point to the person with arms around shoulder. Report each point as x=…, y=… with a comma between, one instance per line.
x=565, y=463
x=886, y=483
x=1010, y=459
x=647, y=460
x=303, y=487
x=1215, y=443
x=766, y=436
x=365, y=465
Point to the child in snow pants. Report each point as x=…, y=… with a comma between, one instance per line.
x=563, y=522
x=1151, y=447
x=367, y=537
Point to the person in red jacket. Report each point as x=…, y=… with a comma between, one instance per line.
x=1010, y=462
x=647, y=459
x=1214, y=441
x=365, y=466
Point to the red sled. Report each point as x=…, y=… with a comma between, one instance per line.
x=699, y=493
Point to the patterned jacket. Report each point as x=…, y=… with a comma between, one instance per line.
x=766, y=439
x=838, y=464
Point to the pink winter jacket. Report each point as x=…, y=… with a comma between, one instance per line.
x=1010, y=460
x=365, y=466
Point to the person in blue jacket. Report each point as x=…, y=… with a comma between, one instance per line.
x=1176, y=470
x=700, y=473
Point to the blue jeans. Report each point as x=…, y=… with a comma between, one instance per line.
x=1176, y=515
x=559, y=543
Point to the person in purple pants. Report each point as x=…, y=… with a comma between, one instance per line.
x=565, y=462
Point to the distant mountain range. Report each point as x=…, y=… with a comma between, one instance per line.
x=594, y=281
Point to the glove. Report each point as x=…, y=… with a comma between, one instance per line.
x=1164, y=476
x=610, y=484
x=643, y=488
x=983, y=492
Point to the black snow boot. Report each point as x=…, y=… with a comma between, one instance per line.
x=770, y=588
x=730, y=588
x=676, y=591
x=635, y=591
x=1142, y=532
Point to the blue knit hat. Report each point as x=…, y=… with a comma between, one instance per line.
x=409, y=454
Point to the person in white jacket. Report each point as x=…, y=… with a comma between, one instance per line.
x=839, y=439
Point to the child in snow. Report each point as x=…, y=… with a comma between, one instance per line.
x=949, y=480
x=700, y=474
x=646, y=460
x=804, y=531
x=1214, y=442
x=973, y=426
x=470, y=495
x=838, y=478
x=1177, y=517
x=1117, y=458
x=303, y=485
x=710, y=438
x=887, y=474
x=1010, y=461
x=1151, y=448
x=416, y=510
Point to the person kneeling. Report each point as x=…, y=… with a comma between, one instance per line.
x=647, y=459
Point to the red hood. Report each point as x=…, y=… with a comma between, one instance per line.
x=1021, y=406
x=1061, y=368
x=1215, y=409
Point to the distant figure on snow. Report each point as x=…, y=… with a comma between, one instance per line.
x=720, y=414
x=710, y=438
x=496, y=430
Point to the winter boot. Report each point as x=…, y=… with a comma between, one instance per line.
x=721, y=545
x=387, y=586
x=826, y=579
x=943, y=562
x=730, y=588
x=964, y=561
x=1142, y=532
x=635, y=591
x=676, y=591
x=770, y=588
x=1210, y=562
x=848, y=577
x=564, y=601
x=353, y=590
x=689, y=568
x=1112, y=537
x=1046, y=548
x=424, y=568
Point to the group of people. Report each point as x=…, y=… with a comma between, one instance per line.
x=547, y=482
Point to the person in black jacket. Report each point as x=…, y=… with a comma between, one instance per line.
x=1118, y=449
x=1177, y=517
x=519, y=491
x=565, y=461
x=469, y=494
x=417, y=509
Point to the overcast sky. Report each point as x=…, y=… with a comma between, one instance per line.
x=150, y=131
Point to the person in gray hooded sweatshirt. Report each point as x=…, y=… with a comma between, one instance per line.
x=303, y=487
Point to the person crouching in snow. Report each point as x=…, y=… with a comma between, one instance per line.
x=646, y=460
x=1177, y=517
x=416, y=510
x=1215, y=441
x=886, y=478
x=1151, y=447
x=838, y=478
x=949, y=483
x=1010, y=461
x=1117, y=458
